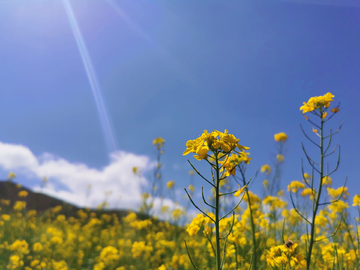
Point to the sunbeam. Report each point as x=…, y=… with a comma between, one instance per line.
x=95, y=86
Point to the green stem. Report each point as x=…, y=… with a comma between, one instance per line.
x=317, y=201
x=217, y=209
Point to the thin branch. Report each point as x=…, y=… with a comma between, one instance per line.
x=310, y=160
x=231, y=227
x=333, y=113
x=331, y=235
x=295, y=208
x=331, y=134
x=308, y=137
x=202, y=193
x=313, y=122
x=198, y=207
x=331, y=151
x=326, y=203
x=232, y=192
x=187, y=250
x=337, y=164
x=223, y=258
x=233, y=208
x=303, y=174
x=200, y=174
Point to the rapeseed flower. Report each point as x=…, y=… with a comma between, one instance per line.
x=280, y=137
x=317, y=103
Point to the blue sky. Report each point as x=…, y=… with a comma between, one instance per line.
x=169, y=69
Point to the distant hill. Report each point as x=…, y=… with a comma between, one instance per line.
x=42, y=202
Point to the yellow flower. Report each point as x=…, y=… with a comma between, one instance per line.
x=216, y=141
x=162, y=267
x=338, y=206
x=19, y=205
x=158, y=142
x=265, y=169
x=170, y=184
x=280, y=158
x=308, y=192
x=314, y=130
x=356, y=200
x=136, y=170
x=280, y=137
x=326, y=181
x=335, y=110
x=11, y=175
x=317, y=103
x=240, y=191
x=23, y=193
x=191, y=188
x=5, y=217
x=295, y=185
x=335, y=193
x=266, y=183
x=324, y=115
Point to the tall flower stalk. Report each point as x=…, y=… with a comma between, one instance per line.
x=318, y=106
x=220, y=145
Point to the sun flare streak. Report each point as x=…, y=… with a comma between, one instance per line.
x=94, y=83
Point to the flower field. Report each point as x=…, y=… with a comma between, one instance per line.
x=233, y=229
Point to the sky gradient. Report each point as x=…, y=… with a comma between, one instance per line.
x=88, y=84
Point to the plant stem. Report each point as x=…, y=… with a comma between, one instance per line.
x=217, y=209
x=317, y=201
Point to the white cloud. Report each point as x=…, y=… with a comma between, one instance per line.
x=68, y=181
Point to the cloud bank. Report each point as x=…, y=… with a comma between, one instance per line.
x=69, y=181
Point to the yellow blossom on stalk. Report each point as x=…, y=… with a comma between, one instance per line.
x=295, y=185
x=20, y=246
x=308, y=192
x=109, y=254
x=170, y=184
x=19, y=205
x=335, y=193
x=317, y=103
x=23, y=193
x=266, y=183
x=356, y=200
x=37, y=247
x=240, y=191
x=274, y=202
x=326, y=181
x=280, y=137
x=335, y=110
x=216, y=141
x=136, y=170
x=265, y=169
x=282, y=256
x=5, y=217
x=11, y=176
x=280, y=158
x=338, y=206
x=191, y=188
x=195, y=225
x=230, y=163
x=314, y=130
x=324, y=115
x=158, y=142
x=162, y=267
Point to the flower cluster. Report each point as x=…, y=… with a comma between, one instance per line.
x=216, y=141
x=282, y=256
x=317, y=103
